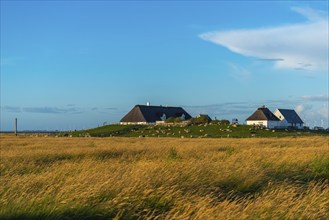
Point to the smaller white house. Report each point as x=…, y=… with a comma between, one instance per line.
x=288, y=118
x=263, y=117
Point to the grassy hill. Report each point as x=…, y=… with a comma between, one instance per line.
x=191, y=131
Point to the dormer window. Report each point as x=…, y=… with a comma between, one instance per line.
x=163, y=117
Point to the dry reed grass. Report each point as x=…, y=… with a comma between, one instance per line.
x=164, y=178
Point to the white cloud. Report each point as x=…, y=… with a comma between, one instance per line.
x=299, y=109
x=310, y=14
x=295, y=46
x=304, y=108
x=316, y=98
x=239, y=73
x=314, y=110
x=323, y=112
x=51, y=110
x=14, y=109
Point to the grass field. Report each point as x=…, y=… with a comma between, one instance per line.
x=164, y=178
x=192, y=131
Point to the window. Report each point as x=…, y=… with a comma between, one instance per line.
x=163, y=117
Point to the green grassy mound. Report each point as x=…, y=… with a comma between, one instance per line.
x=190, y=131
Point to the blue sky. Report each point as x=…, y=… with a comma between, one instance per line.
x=78, y=64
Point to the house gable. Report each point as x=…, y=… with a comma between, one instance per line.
x=134, y=115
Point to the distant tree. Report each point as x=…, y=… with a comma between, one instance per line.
x=178, y=120
x=215, y=122
x=220, y=122
x=203, y=119
x=224, y=122
x=173, y=120
x=170, y=120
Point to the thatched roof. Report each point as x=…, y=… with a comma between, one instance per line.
x=291, y=116
x=262, y=114
x=151, y=114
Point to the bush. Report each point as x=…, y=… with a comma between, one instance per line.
x=224, y=122
x=170, y=120
x=178, y=120
x=173, y=120
x=221, y=122
x=203, y=119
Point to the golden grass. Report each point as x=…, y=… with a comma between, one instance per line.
x=164, y=178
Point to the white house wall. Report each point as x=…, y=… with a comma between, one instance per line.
x=260, y=122
x=267, y=124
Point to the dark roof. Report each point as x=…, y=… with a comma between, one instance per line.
x=291, y=116
x=151, y=114
x=262, y=113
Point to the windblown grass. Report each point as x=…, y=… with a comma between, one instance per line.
x=164, y=178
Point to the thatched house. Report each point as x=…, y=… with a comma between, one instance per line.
x=146, y=114
x=263, y=117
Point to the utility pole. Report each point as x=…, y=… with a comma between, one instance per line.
x=15, y=127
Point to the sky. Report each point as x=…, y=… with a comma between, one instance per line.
x=69, y=65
